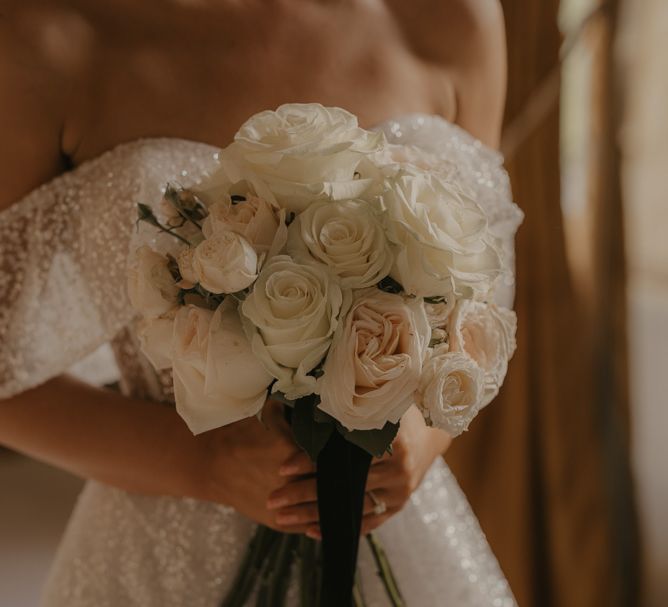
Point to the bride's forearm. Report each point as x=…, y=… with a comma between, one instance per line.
x=440, y=440
x=95, y=433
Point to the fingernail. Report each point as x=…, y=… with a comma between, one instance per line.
x=313, y=534
x=287, y=519
x=277, y=502
x=288, y=470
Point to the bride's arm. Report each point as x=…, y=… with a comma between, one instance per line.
x=133, y=444
x=97, y=433
x=145, y=447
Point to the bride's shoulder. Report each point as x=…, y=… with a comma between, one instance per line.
x=465, y=40
x=34, y=64
x=439, y=28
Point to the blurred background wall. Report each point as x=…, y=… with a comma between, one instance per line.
x=565, y=469
x=644, y=50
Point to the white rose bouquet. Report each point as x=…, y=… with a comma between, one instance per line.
x=325, y=268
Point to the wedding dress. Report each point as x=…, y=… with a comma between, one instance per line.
x=63, y=251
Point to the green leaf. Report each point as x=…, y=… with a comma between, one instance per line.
x=376, y=442
x=145, y=213
x=389, y=285
x=436, y=299
x=310, y=435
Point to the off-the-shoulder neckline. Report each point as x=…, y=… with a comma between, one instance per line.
x=140, y=142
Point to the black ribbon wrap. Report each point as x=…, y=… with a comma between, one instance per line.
x=342, y=470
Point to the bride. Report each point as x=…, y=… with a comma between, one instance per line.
x=103, y=102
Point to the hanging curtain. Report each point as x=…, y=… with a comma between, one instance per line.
x=537, y=463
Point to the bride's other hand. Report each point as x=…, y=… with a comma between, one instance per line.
x=243, y=466
x=393, y=478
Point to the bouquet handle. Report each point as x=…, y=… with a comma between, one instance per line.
x=342, y=470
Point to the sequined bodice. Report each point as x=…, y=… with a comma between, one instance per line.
x=63, y=248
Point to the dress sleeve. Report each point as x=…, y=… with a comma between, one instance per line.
x=63, y=255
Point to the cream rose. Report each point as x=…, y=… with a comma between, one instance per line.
x=451, y=390
x=217, y=378
x=393, y=157
x=155, y=340
x=300, y=153
x=184, y=260
x=373, y=368
x=347, y=236
x=151, y=287
x=487, y=334
x=442, y=241
x=261, y=224
x=225, y=263
x=290, y=317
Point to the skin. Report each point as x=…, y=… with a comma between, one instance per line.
x=79, y=77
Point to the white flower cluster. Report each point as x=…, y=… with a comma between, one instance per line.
x=321, y=260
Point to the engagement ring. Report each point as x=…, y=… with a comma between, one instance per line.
x=379, y=506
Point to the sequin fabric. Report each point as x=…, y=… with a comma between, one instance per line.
x=63, y=252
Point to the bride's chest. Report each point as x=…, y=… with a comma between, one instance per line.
x=178, y=86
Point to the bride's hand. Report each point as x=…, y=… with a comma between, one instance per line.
x=243, y=465
x=392, y=478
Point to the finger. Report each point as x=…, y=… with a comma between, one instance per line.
x=296, y=529
x=304, y=514
x=314, y=532
x=381, y=476
x=292, y=494
x=373, y=521
x=383, y=458
x=297, y=465
x=382, y=497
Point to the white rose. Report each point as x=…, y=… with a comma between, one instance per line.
x=347, y=236
x=261, y=224
x=451, y=390
x=290, y=317
x=300, y=153
x=151, y=287
x=441, y=235
x=184, y=259
x=487, y=334
x=217, y=378
x=397, y=156
x=225, y=263
x=155, y=340
x=374, y=366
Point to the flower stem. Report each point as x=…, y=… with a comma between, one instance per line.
x=307, y=568
x=251, y=566
x=358, y=596
x=385, y=571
